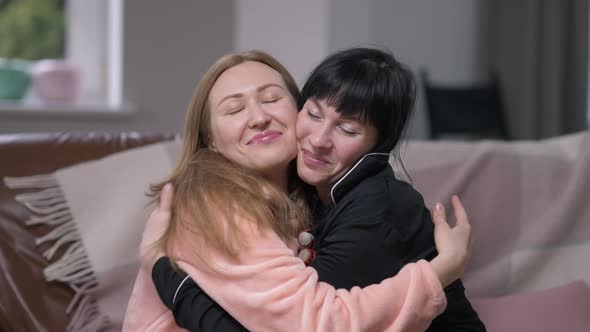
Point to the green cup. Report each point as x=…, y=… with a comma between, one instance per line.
x=15, y=79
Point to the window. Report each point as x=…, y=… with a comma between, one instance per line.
x=29, y=30
x=32, y=29
x=87, y=33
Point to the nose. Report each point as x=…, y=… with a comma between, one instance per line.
x=320, y=139
x=257, y=116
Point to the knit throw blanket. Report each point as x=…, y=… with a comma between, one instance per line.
x=98, y=210
x=528, y=203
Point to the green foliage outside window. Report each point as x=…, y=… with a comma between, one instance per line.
x=32, y=29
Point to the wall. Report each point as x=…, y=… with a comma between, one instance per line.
x=446, y=38
x=295, y=32
x=351, y=24
x=168, y=47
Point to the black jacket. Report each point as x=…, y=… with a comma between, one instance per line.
x=376, y=225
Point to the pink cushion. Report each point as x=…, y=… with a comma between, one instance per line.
x=564, y=308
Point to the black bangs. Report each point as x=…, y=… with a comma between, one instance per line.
x=368, y=84
x=347, y=87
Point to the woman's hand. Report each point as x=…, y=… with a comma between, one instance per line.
x=453, y=244
x=150, y=249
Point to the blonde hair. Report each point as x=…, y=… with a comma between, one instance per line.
x=209, y=190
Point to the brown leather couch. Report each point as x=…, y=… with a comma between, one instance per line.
x=27, y=302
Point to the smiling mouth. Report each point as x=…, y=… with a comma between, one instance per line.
x=313, y=160
x=265, y=137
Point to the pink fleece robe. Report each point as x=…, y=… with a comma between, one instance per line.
x=268, y=288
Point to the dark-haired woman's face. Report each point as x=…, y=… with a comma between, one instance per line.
x=329, y=144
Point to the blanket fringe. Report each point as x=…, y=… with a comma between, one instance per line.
x=53, y=219
x=65, y=233
x=49, y=207
x=87, y=317
x=28, y=182
x=73, y=267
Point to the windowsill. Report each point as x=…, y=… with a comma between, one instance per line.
x=72, y=111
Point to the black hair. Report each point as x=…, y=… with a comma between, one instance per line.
x=369, y=84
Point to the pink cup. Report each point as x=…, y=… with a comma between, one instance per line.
x=56, y=81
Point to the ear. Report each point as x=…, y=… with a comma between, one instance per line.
x=212, y=146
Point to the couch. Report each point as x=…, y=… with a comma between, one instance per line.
x=481, y=173
x=27, y=302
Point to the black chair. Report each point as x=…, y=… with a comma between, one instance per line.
x=465, y=112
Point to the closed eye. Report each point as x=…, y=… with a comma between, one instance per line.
x=234, y=110
x=348, y=131
x=312, y=115
x=270, y=101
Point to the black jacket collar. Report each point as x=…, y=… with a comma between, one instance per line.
x=368, y=165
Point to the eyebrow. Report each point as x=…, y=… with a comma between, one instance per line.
x=259, y=89
x=351, y=117
x=315, y=103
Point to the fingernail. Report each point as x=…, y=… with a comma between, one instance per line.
x=439, y=206
x=167, y=186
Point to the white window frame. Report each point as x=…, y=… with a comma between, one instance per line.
x=94, y=42
x=588, y=78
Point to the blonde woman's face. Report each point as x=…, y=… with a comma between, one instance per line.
x=253, y=118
